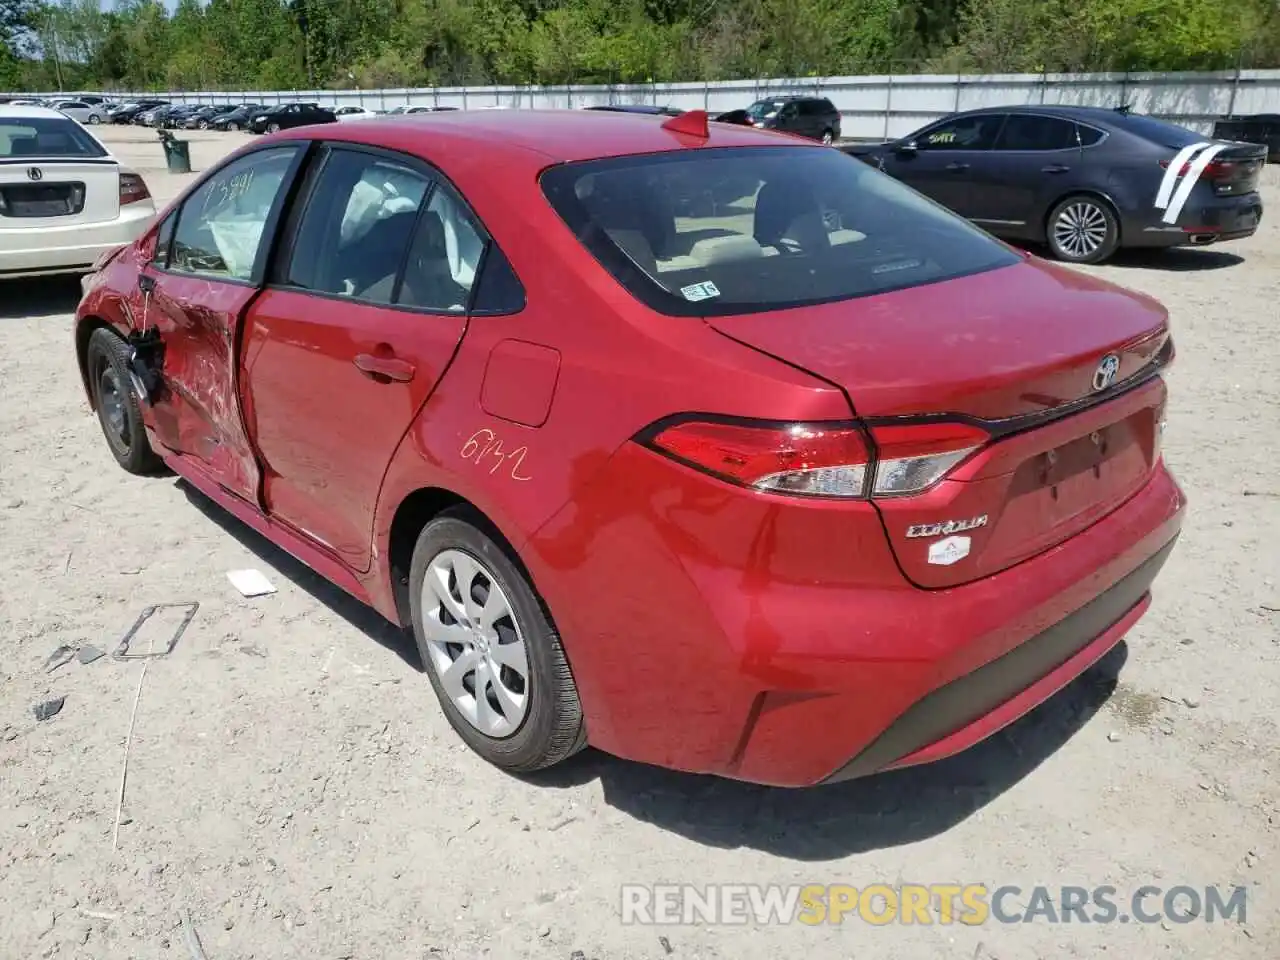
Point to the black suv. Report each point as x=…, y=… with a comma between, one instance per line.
x=812, y=117
x=1263, y=128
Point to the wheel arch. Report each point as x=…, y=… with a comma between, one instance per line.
x=418, y=508
x=84, y=331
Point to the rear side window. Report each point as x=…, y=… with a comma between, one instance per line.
x=46, y=137
x=720, y=232
x=1025, y=132
x=1088, y=135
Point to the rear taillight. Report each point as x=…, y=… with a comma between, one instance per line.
x=132, y=189
x=821, y=459
x=1213, y=170
x=912, y=458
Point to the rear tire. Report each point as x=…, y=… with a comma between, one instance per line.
x=1082, y=229
x=94, y=120
x=531, y=717
x=114, y=397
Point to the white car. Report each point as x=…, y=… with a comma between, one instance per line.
x=65, y=200
x=81, y=112
x=347, y=114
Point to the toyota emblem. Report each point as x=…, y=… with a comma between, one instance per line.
x=34, y=173
x=1105, y=375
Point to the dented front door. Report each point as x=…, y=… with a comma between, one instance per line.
x=199, y=291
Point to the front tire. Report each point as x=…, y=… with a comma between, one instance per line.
x=273, y=128
x=116, y=400
x=94, y=120
x=490, y=649
x=1083, y=229
x=828, y=137
x=233, y=127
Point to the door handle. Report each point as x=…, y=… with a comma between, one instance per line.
x=1055, y=168
x=957, y=167
x=389, y=367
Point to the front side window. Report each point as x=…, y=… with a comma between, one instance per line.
x=719, y=232
x=965, y=133
x=221, y=225
x=46, y=137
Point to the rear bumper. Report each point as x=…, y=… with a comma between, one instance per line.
x=718, y=631
x=970, y=708
x=1216, y=220
x=26, y=252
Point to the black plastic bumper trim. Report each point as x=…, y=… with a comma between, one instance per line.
x=955, y=705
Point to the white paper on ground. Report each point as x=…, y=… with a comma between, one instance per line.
x=250, y=583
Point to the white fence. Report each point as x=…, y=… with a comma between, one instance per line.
x=873, y=107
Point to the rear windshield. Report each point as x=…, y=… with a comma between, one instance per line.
x=46, y=137
x=721, y=232
x=1159, y=131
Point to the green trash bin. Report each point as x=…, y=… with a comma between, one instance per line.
x=177, y=154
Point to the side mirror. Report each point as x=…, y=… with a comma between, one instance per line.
x=906, y=147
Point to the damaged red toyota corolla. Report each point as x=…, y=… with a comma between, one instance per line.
x=706, y=446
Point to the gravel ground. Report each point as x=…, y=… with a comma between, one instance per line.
x=293, y=785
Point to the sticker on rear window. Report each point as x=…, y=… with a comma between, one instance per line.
x=700, y=291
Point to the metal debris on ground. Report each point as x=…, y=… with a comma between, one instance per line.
x=250, y=583
x=122, y=650
x=666, y=945
x=89, y=654
x=48, y=709
x=192, y=938
x=59, y=658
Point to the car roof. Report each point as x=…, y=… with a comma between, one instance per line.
x=557, y=136
x=789, y=97
x=10, y=111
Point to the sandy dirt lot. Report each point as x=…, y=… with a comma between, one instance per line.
x=294, y=786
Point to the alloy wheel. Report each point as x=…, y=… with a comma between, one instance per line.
x=1080, y=229
x=475, y=643
x=827, y=138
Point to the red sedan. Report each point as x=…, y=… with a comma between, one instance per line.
x=706, y=446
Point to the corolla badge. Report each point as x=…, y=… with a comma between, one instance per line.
x=946, y=528
x=1105, y=375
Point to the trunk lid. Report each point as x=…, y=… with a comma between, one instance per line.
x=1040, y=354
x=40, y=192
x=1237, y=169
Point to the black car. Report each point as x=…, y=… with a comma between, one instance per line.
x=287, y=115
x=812, y=117
x=128, y=112
x=176, y=117
x=1263, y=128
x=1085, y=180
x=237, y=119
x=642, y=108
x=203, y=118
